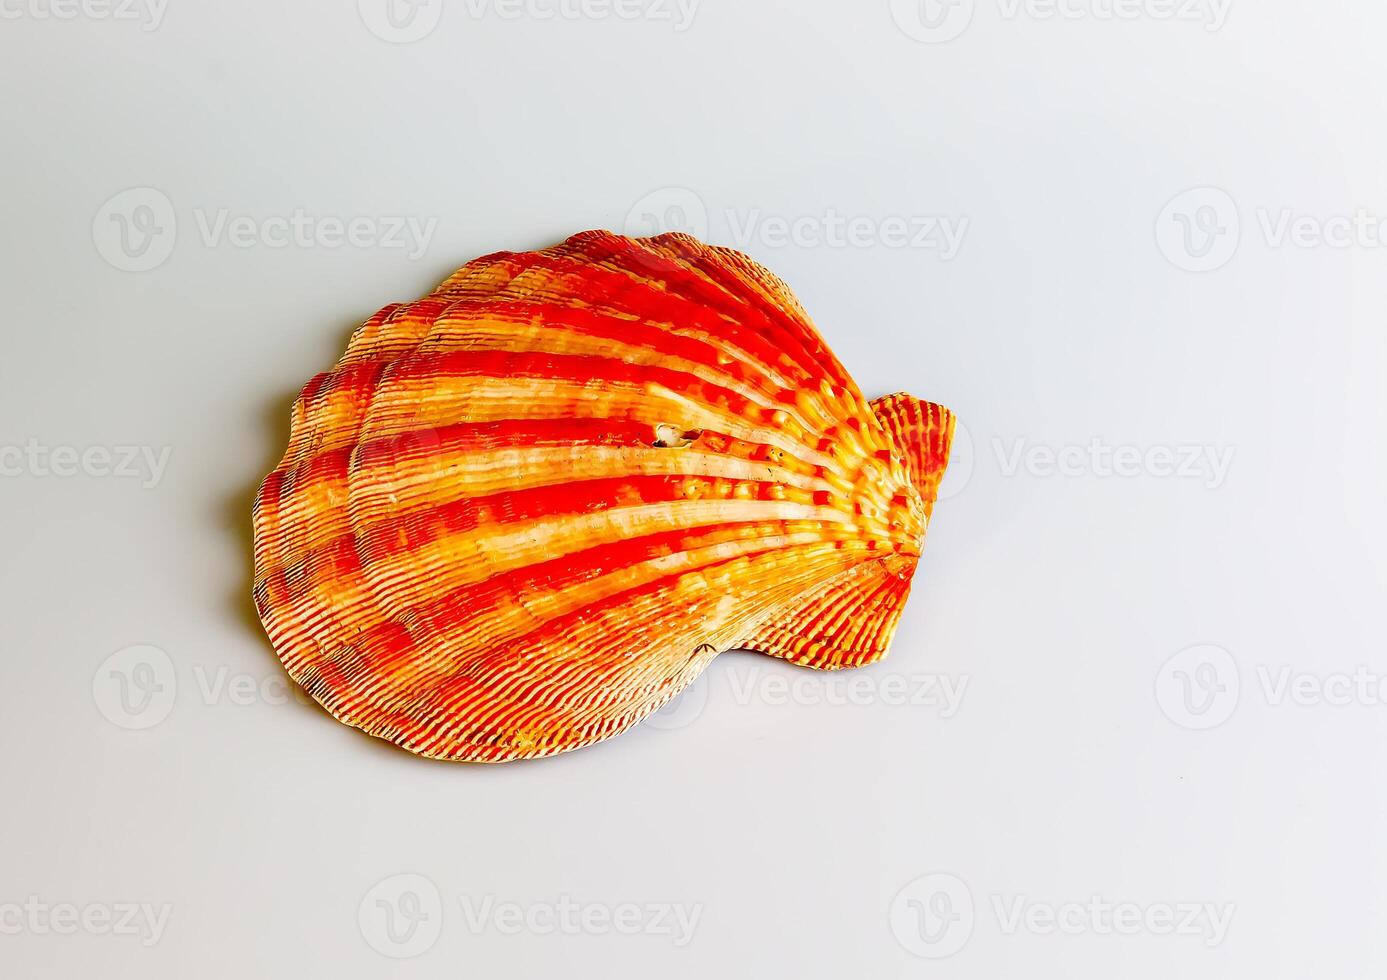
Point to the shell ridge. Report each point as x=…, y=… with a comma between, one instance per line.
x=802, y=578
x=814, y=631
x=694, y=281
x=567, y=572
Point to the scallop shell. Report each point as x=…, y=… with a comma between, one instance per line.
x=524, y=512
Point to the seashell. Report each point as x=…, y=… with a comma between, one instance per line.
x=522, y=513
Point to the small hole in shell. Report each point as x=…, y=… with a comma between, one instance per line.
x=669, y=436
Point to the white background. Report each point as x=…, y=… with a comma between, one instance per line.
x=826, y=831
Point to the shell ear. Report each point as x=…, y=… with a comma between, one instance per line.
x=921, y=432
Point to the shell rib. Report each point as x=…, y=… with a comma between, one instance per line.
x=527, y=510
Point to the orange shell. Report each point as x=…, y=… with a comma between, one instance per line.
x=527, y=510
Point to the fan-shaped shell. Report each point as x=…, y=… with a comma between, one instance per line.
x=523, y=512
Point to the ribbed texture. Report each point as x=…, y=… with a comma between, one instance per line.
x=922, y=433
x=527, y=510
